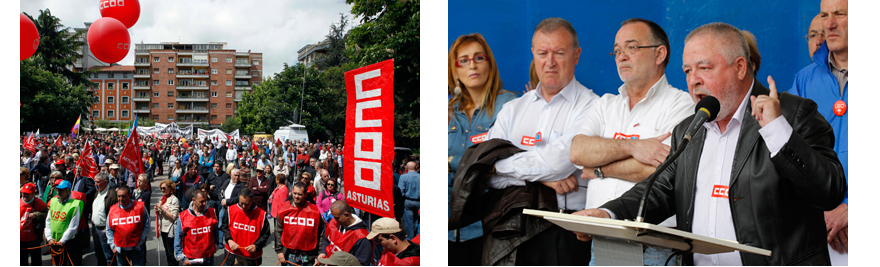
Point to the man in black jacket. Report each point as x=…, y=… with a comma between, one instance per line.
x=762, y=173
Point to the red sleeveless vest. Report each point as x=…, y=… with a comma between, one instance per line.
x=300, y=226
x=26, y=225
x=127, y=224
x=389, y=259
x=340, y=241
x=198, y=231
x=244, y=228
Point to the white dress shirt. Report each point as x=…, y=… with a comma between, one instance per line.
x=610, y=117
x=712, y=215
x=546, y=158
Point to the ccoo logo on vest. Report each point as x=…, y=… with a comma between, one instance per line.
x=299, y=221
x=244, y=227
x=369, y=129
x=200, y=230
x=126, y=220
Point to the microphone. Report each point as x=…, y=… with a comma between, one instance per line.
x=706, y=111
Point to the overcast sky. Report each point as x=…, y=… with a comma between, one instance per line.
x=276, y=28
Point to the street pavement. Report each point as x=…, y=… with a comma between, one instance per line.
x=155, y=250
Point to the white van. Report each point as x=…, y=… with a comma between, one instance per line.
x=294, y=132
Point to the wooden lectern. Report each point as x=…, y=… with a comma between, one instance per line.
x=626, y=238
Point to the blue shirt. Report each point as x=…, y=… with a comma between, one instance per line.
x=409, y=185
x=817, y=83
x=462, y=133
x=207, y=160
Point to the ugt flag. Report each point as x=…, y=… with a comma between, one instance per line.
x=86, y=165
x=131, y=154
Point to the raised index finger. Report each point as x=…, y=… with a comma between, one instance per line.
x=772, y=85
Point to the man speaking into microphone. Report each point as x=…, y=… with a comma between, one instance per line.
x=760, y=174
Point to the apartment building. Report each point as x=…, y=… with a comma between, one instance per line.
x=112, y=93
x=199, y=84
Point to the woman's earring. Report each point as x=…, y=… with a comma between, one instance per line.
x=457, y=89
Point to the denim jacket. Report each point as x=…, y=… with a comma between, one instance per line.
x=462, y=134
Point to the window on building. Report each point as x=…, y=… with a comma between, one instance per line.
x=109, y=100
x=213, y=59
x=228, y=59
x=228, y=82
x=110, y=75
x=213, y=105
x=170, y=70
x=170, y=117
x=228, y=71
x=170, y=82
x=155, y=59
x=256, y=62
x=213, y=94
x=155, y=82
x=124, y=86
x=96, y=114
x=213, y=71
x=125, y=75
x=200, y=83
x=228, y=105
x=155, y=94
x=214, y=83
x=124, y=100
x=170, y=93
x=124, y=113
x=171, y=105
x=228, y=94
x=170, y=59
x=110, y=114
x=109, y=86
x=255, y=73
x=155, y=117
x=155, y=105
x=156, y=70
x=213, y=117
x=228, y=117
x=256, y=83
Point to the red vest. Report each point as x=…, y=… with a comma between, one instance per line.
x=340, y=241
x=127, y=224
x=389, y=259
x=81, y=197
x=244, y=229
x=28, y=233
x=198, y=234
x=300, y=226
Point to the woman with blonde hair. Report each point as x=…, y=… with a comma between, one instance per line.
x=477, y=97
x=168, y=209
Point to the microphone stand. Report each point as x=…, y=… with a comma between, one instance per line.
x=640, y=216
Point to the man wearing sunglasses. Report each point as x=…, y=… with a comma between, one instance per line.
x=542, y=122
x=625, y=137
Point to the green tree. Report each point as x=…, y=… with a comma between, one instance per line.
x=390, y=29
x=48, y=101
x=231, y=124
x=335, y=45
x=58, y=48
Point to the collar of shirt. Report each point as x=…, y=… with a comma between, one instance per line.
x=651, y=91
x=125, y=207
x=831, y=64
x=737, y=116
x=568, y=93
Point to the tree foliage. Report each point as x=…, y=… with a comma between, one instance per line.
x=335, y=45
x=390, y=29
x=48, y=101
x=58, y=48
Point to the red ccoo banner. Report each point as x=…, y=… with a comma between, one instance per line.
x=369, y=138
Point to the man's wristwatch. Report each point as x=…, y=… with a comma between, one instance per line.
x=598, y=172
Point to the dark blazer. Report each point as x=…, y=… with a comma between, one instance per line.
x=777, y=203
x=232, y=200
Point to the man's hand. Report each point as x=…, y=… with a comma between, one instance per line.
x=322, y=255
x=223, y=202
x=837, y=225
x=591, y=213
x=281, y=257
x=114, y=251
x=186, y=262
x=651, y=151
x=251, y=248
x=765, y=109
x=232, y=245
x=563, y=186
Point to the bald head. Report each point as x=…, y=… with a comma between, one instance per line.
x=410, y=166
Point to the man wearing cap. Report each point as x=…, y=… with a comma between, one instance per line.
x=262, y=187
x=245, y=231
x=105, y=198
x=114, y=175
x=32, y=211
x=63, y=221
x=128, y=227
x=398, y=250
x=340, y=258
x=297, y=228
x=346, y=232
x=196, y=233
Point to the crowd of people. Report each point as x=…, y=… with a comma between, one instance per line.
x=771, y=166
x=214, y=195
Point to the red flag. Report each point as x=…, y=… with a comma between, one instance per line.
x=254, y=145
x=86, y=165
x=158, y=143
x=130, y=159
x=58, y=142
x=30, y=144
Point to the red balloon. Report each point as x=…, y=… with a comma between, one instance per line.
x=126, y=11
x=30, y=38
x=109, y=40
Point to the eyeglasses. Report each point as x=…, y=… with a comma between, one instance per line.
x=329, y=185
x=629, y=50
x=813, y=35
x=163, y=188
x=463, y=62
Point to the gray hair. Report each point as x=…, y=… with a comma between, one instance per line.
x=733, y=43
x=549, y=25
x=234, y=171
x=103, y=176
x=58, y=173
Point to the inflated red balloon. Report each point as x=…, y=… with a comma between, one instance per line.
x=126, y=11
x=30, y=38
x=109, y=40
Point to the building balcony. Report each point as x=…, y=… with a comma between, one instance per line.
x=243, y=87
x=141, y=111
x=198, y=110
x=142, y=75
x=242, y=65
x=141, y=87
x=242, y=54
x=192, y=87
x=142, y=63
x=192, y=64
x=193, y=75
x=247, y=76
x=138, y=98
x=141, y=52
x=189, y=53
x=191, y=98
